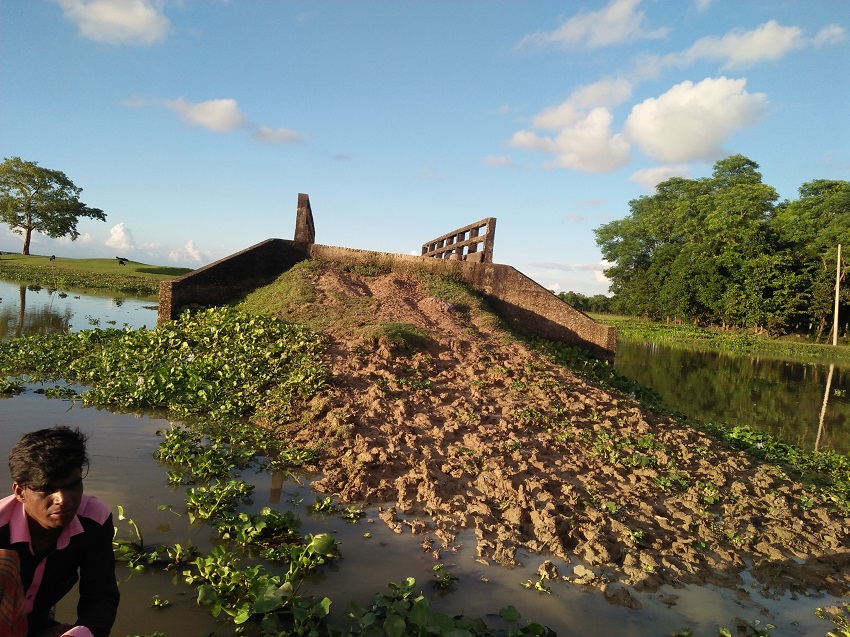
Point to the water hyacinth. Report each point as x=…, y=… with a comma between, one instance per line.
x=218, y=361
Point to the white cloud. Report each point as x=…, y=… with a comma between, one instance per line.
x=832, y=34
x=121, y=238
x=651, y=177
x=769, y=41
x=587, y=144
x=497, y=160
x=619, y=22
x=215, y=115
x=222, y=116
x=608, y=91
x=574, y=267
x=703, y=5
x=740, y=48
x=581, y=129
x=605, y=92
x=118, y=21
x=188, y=253
x=691, y=121
x=276, y=136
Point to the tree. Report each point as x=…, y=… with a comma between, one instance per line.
x=685, y=252
x=812, y=227
x=40, y=199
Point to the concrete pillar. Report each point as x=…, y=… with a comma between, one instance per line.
x=305, y=231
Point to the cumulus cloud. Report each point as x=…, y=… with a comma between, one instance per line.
x=222, y=116
x=138, y=22
x=586, y=144
x=619, y=22
x=121, y=238
x=578, y=131
x=691, y=121
x=651, y=177
x=189, y=253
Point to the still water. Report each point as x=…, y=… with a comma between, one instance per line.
x=805, y=404
x=124, y=472
x=25, y=311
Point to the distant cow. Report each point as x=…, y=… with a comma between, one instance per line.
x=122, y=260
x=53, y=257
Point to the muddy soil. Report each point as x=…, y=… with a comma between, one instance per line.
x=471, y=429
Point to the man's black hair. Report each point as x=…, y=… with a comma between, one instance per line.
x=42, y=457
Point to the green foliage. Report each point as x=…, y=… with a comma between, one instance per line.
x=598, y=303
x=719, y=251
x=398, y=335
x=405, y=613
x=445, y=580
x=840, y=616
x=219, y=361
x=35, y=199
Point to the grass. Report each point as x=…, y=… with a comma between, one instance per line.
x=294, y=296
x=135, y=278
x=714, y=339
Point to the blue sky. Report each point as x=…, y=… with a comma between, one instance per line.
x=194, y=124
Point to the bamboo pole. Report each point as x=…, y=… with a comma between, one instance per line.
x=837, y=286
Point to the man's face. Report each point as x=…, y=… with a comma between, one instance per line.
x=54, y=505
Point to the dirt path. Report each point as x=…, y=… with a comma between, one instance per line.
x=472, y=430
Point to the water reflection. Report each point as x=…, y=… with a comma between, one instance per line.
x=805, y=404
x=26, y=310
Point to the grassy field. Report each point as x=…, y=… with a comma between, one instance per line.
x=132, y=278
x=733, y=341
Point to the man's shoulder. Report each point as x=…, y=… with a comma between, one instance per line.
x=7, y=506
x=94, y=509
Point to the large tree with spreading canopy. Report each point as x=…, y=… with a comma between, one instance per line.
x=33, y=198
x=708, y=250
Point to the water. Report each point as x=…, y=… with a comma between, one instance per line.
x=783, y=398
x=124, y=472
x=26, y=311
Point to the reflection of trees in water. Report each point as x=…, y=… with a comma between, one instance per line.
x=22, y=320
x=780, y=397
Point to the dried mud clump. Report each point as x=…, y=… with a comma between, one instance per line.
x=449, y=423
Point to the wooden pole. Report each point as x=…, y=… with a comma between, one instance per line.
x=837, y=286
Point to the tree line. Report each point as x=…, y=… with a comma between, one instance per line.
x=722, y=251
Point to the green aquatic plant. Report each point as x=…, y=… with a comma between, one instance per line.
x=445, y=580
x=219, y=362
x=214, y=499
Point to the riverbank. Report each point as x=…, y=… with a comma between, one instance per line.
x=122, y=275
x=459, y=426
x=695, y=337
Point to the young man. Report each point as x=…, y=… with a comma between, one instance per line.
x=58, y=534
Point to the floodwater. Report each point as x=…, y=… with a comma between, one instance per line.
x=124, y=472
x=805, y=404
x=33, y=310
